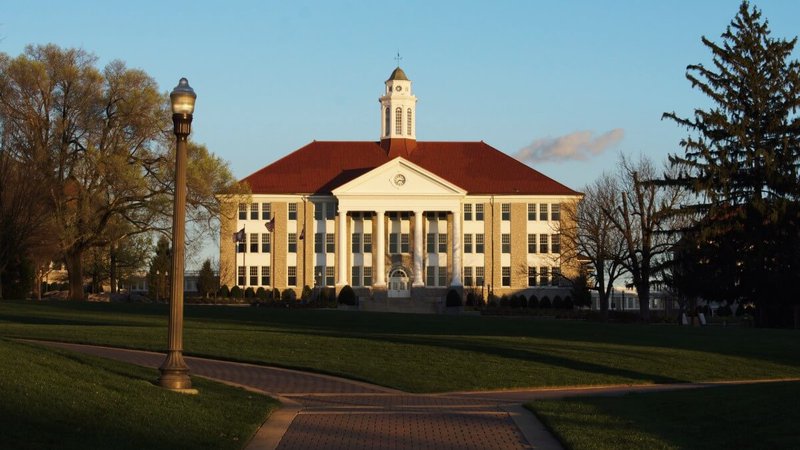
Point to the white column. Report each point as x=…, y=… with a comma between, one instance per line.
x=418, y=255
x=343, y=250
x=379, y=240
x=456, y=249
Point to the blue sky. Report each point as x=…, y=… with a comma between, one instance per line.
x=272, y=76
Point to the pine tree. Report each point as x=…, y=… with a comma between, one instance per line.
x=741, y=162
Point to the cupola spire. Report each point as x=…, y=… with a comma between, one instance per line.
x=398, y=107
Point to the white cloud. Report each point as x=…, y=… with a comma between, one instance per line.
x=579, y=145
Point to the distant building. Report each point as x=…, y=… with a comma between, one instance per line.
x=399, y=220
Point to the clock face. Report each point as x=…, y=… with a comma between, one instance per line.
x=399, y=180
x=398, y=89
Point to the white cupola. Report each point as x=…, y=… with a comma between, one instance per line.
x=398, y=108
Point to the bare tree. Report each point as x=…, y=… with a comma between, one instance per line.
x=594, y=238
x=644, y=217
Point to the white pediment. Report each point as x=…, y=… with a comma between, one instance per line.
x=399, y=178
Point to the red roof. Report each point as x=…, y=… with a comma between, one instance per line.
x=477, y=167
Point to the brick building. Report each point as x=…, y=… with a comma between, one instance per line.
x=399, y=220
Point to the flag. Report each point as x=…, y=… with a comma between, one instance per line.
x=238, y=236
x=302, y=234
x=270, y=225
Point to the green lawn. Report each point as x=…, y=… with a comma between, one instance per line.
x=422, y=353
x=758, y=416
x=57, y=399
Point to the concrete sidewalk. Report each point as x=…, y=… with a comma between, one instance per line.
x=325, y=412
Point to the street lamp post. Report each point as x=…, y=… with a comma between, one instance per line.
x=174, y=371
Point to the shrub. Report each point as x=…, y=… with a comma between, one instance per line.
x=347, y=296
x=505, y=302
x=523, y=302
x=557, y=302
x=276, y=294
x=453, y=299
x=533, y=302
x=306, y=294
x=249, y=292
x=740, y=309
x=514, y=301
x=323, y=297
x=544, y=303
x=224, y=292
x=261, y=293
x=724, y=311
x=236, y=292
x=470, y=299
x=288, y=295
x=568, y=303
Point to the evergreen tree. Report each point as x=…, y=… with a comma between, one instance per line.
x=741, y=163
x=206, y=280
x=158, y=277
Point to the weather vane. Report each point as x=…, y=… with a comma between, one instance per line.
x=398, y=58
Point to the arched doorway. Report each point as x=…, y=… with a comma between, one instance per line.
x=399, y=283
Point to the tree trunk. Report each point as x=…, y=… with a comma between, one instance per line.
x=644, y=302
x=75, y=269
x=112, y=272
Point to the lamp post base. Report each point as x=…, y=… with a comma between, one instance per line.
x=175, y=373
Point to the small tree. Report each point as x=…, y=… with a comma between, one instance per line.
x=249, y=292
x=236, y=292
x=261, y=293
x=288, y=295
x=581, y=296
x=533, y=302
x=544, y=303
x=206, y=281
x=276, y=294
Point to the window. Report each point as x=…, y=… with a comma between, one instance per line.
x=292, y=242
x=531, y=276
x=506, y=281
x=531, y=243
x=367, y=276
x=367, y=242
x=479, y=211
x=555, y=212
x=265, y=276
x=468, y=211
x=319, y=211
x=356, y=239
x=398, y=121
x=531, y=211
x=242, y=211
x=479, y=271
x=266, y=211
x=543, y=243
x=254, y=243
x=329, y=277
x=253, y=211
x=241, y=245
x=556, y=275
x=253, y=275
x=394, y=243
x=318, y=275
x=240, y=277
x=318, y=238
x=479, y=243
x=543, y=211
x=388, y=121
x=431, y=243
x=292, y=211
x=468, y=281
x=292, y=275
x=467, y=243
x=505, y=211
x=330, y=243
x=544, y=277
x=442, y=276
x=408, y=126
x=430, y=276
x=265, y=243
x=442, y=242
x=404, y=243
x=505, y=240
x=330, y=211
x=356, y=276
x=555, y=243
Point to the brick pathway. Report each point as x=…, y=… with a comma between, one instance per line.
x=333, y=413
